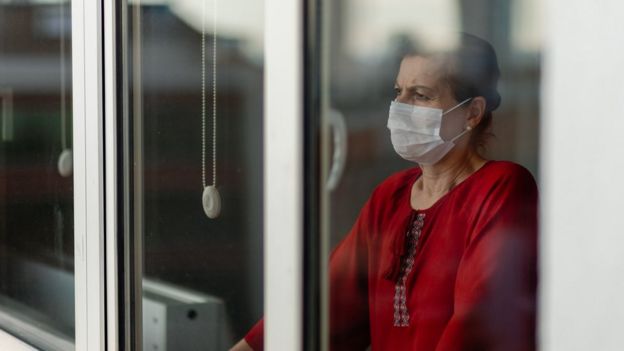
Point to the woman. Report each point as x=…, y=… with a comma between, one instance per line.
x=443, y=255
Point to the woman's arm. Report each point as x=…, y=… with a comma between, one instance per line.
x=348, y=275
x=495, y=287
x=242, y=346
x=348, y=289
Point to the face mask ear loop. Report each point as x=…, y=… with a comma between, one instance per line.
x=456, y=106
x=465, y=130
x=460, y=135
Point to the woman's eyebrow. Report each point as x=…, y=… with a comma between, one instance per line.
x=416, y=87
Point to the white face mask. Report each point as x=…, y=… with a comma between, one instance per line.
x=415, y=132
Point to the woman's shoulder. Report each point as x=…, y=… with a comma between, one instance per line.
x=494, y=174
x=501, y=179
x=493, y=169
x=506, y=171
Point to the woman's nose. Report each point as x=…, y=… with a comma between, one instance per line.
x=402, y=98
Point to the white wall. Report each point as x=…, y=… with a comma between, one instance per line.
x=582, y=249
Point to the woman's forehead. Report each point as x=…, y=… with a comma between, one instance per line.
x=418, y=70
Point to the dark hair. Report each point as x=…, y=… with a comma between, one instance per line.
x=471, y=71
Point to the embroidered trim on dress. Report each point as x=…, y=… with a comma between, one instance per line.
x=401, y=314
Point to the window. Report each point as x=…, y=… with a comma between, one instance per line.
x=36, y=173
x=194, y=101
x=364, y=47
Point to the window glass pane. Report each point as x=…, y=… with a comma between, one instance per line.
x=36, y=185
x=414, y=246
x=194, y=98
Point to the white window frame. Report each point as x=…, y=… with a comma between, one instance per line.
x=111, y=147
x=283, y=174
x=89, y=189
x=9, y=342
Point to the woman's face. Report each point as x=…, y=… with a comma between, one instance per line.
x=421, y=82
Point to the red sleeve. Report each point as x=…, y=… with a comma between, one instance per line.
x=495, y=288
x=348, y=279
x=255, y=336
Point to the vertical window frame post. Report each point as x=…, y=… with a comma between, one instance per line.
x=283, y=174
x=89, y=190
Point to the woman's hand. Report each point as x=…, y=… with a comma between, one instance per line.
x=241, y=346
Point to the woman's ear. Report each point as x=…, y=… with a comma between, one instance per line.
x=476, y=111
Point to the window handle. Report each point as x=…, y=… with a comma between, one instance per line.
x=339, y=158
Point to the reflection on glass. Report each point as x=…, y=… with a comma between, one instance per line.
x=196, y=118
x=36, y=187
x=387, y=277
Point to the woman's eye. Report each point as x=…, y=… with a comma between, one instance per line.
x=414, y=95
x=420, y=96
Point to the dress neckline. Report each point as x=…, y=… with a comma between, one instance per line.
x=445, y=196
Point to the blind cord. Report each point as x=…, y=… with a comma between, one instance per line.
x=214, y=94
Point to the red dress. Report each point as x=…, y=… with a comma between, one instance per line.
x=460, y=275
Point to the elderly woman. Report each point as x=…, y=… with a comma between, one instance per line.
x=442, y=256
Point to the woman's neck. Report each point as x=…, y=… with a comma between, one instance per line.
x=438, y=179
